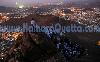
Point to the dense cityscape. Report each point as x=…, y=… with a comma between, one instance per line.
x=85, y=16
x=49, y=47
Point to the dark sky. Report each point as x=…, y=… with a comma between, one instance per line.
x=28, y=2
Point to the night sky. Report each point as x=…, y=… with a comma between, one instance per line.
x=12, y=2
x=28, y=2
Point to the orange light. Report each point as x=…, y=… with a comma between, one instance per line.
x=63, y=14
x=0, y=17
x=4, y=17
x=98, y=43
x=14, y=35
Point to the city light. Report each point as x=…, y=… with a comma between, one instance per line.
x=45, y=15
x=98, y=43
x=21, y=6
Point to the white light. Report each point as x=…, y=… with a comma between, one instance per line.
x=1, y=58
x=8, y=13
x=7, y=17
x=16, y=3
x=63, y=14
x=21, y=6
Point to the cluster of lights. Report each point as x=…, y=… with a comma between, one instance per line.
x=70, y=49
x=8, y=40
x=19, y=13
x=4, y=18
x=83, y=17
x=12, y=35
